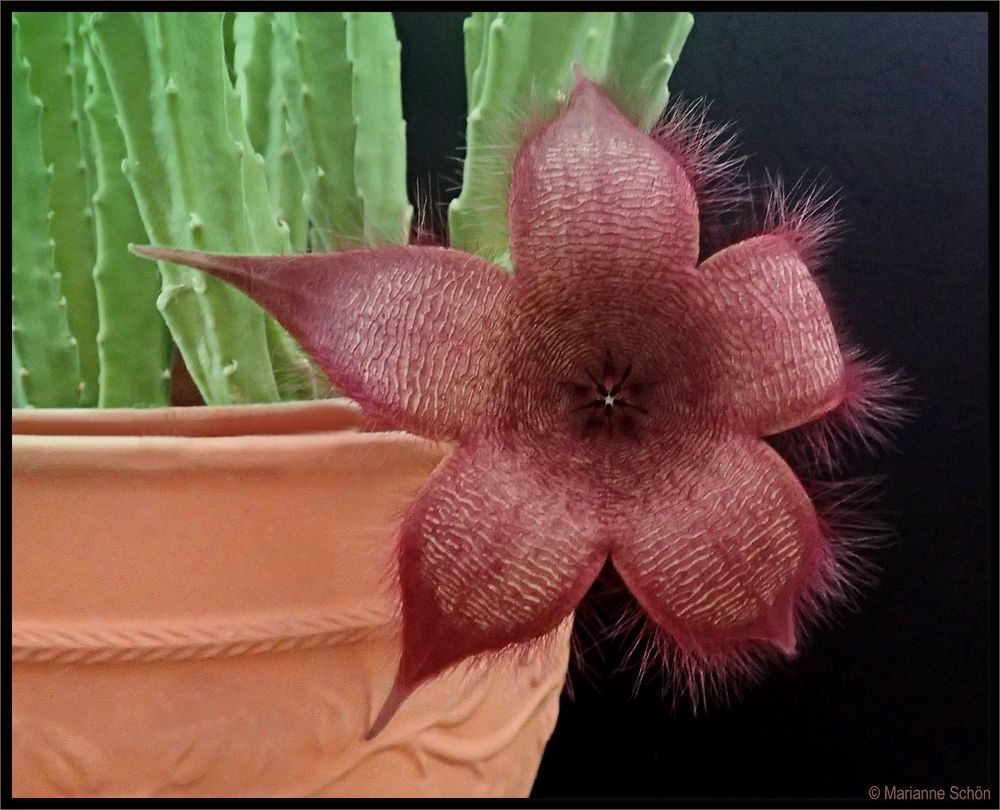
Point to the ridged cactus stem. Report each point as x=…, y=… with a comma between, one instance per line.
x=475, y=30
x=644, y=49
x=284, y=178
x=265, y=112
x=519, y=65
x=229, y=44
x=380, y=139
x=133, y=342
x=340, y=74
x=18, y=397
x=45, y=358
x=78, y=48
x=312, y=64
x=185, y=168
x=295, y=375
x=252, y=63
x=50, y=43
x=598, y=42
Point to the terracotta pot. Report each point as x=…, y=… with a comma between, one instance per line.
x=203, y=606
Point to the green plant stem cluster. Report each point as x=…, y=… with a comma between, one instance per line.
x=130, y=128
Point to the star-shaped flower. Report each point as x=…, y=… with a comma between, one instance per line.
x=609, y=400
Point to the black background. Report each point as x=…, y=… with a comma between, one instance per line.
x=892, y=109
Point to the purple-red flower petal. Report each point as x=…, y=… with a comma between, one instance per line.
x=592, y=195
x=497, y=549
x=774, y=361
x=609, y=399
x=717, y=542
x=414, y=334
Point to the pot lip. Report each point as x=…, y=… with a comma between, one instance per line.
x=280, y=436
x=253, y=453
x=281, y=418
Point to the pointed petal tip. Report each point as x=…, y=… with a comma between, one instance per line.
x=227, y=267
x=397, y=695
x=780, y=630
x=168, y=254
x=580, y=76
x=583, y=85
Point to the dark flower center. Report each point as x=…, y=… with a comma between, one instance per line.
x=609, y=401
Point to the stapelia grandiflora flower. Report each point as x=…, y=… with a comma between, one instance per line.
x=609, y=400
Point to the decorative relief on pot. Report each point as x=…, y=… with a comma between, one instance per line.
x=114, y=642
x=210, y=616
x=143, y=712
x=60, y=761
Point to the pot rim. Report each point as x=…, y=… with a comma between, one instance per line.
x=280, y=418
x=277, y=436
x=253, y=452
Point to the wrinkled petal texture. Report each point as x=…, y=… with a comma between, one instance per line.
x=609, y=397
x=745, y=340
x=592, y=195
x=562, y=341
x=717, y=541
x=604, y=235
x=416, y=335
x=496, y=550
x=774, y=361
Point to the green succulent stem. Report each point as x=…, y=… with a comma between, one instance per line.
x=315, y=74
x=296, y=376
x=45, y=363
x=133, y=342
x=265, y=112
x=340, y=77
x=51, y=43
x=18, y=397
x=198, y=183
x=380, y=131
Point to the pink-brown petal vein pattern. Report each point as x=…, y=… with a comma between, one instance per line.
x=715, y=543
x=591, y=194
x=775, y=360
x=495, y=550
x=414, y=334
x=610, y=398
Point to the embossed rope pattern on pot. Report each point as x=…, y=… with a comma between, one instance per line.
x=97, y=643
